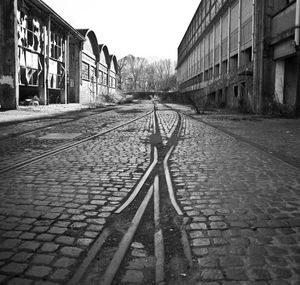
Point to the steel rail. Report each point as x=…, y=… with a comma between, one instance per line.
x=159, y=248
x=253, y=145
x=66, y=147
x=57, y=117
x=114, y=265
x=140, y=184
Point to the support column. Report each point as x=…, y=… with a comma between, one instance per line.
x=43, y=88
x=239, y=33
x=258, y=51
x=47, y=59
x=67, y=56
x=297, y=42
x=9, y=61
x=213, y=49
x=97, y=81
x=228, y=44
x=253, y=29
x=220, y=51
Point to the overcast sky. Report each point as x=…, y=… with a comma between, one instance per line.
x=145, y=28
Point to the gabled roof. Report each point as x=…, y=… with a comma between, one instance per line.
x=104, y=48
x=89, y=34
x=113, y=60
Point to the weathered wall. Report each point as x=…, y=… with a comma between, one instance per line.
x=74, y=71
x=8, y=90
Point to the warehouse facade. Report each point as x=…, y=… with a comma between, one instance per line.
x=243, y=54
x=43, y=56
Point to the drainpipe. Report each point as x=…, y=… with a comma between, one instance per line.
x=297, y=24
x=47, y=58
x=297, y=43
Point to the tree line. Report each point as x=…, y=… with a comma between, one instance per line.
x=137, y=74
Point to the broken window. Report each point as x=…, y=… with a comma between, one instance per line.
x=85, y=71
x=57, y=46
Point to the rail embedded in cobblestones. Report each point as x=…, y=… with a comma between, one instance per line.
x=140, y=184
x=66, y=147
x=136, y=205
x=254, y=145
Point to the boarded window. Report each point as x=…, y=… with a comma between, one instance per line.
x=85, y=71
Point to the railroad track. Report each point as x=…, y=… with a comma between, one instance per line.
x=64, y=147
x=275, y=155
x=66, y=119
x=150, y=215
x=152, y=202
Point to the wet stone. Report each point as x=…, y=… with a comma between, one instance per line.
x=256, y=260
x=218, y=225
x=64, y=262
x=138, y=253
x=231, y=261
x=282, y=273
x=89, y=234
x=60, y=274
x=40, y=229
x=71, y=251
x=211, y=275
x=43, y=259
x=28, y=236
x=99, y=221
x=20, y=281
x=38, y=271
x=14, y=268
x=96, y=228
x=198, y=226
x=49, y=247
x=12, y=234
x=259, y=274
x=10, y=243
x=65, y=240
x=30, y=245
x=200, y=251
x=4, y=255
x=45, y=237
x=208, y=262
x=84, y=241
x=234, y=273
x=22, y=256
x=201, y=242
x=78, y=225
x=220, y=241
x=57, y=230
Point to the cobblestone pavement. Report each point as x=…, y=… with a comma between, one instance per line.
x=243, y=207
x=278, y=136
x=78, y=125
x=52, y=211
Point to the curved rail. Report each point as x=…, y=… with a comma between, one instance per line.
x=69, y=146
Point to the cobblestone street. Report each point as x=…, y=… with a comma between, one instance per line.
x=234, y=217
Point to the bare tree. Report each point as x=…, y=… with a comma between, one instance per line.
x=137, y=74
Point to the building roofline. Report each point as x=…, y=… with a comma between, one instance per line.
x=43, y=6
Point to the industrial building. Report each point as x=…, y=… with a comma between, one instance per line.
x=242, y=54
x=42, y=55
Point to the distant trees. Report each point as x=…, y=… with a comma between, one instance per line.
x=138, y=74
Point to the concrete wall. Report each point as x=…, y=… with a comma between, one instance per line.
x=290, y=86
x=246, y=73
x=225, y=56
x=8, y=57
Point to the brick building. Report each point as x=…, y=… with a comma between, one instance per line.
x=41, y=54
x=242, y=54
